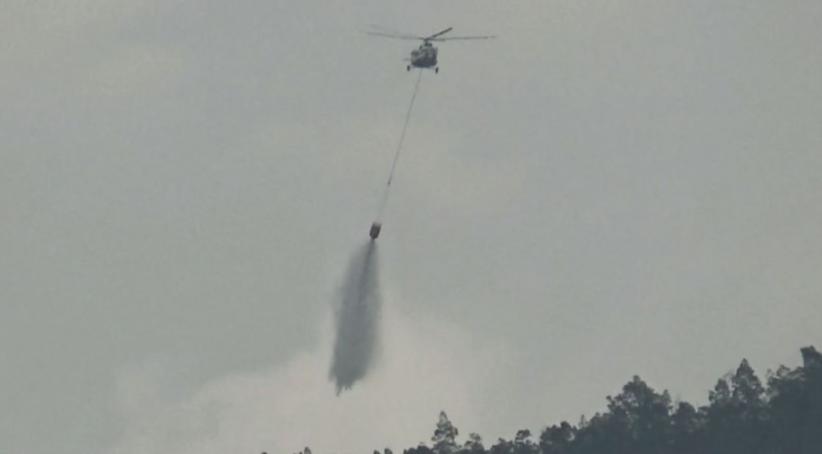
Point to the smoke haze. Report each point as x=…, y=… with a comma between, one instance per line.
x=357, y=317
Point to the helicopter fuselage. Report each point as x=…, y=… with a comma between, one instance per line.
x=424, y=57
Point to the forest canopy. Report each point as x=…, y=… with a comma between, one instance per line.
x=743, y=415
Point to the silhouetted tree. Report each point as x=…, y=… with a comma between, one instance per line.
x=523, y=443
x=687, y=429
x=601, y=433
x=473, y=445
x=445, y=436
x=637, y=422
x=502, y=446
x=420, y=449
x=557, y=439
x=795, y=406
x=736, y=415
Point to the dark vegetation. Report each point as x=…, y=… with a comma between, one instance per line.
x=743, y=416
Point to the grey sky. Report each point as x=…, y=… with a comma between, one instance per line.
x=609, y=188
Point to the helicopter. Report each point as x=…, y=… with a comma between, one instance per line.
x=426, y=55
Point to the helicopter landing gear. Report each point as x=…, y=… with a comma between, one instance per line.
x=437, y=70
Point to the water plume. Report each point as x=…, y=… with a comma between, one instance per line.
x=357, y=320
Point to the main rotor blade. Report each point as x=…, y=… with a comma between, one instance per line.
x=389, y=31
x=428, y=38
x=381, y=28
x=455, y=38
x=396, y=36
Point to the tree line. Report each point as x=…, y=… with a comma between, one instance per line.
x=742, y=416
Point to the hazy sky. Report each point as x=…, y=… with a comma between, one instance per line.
x=608, y=189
